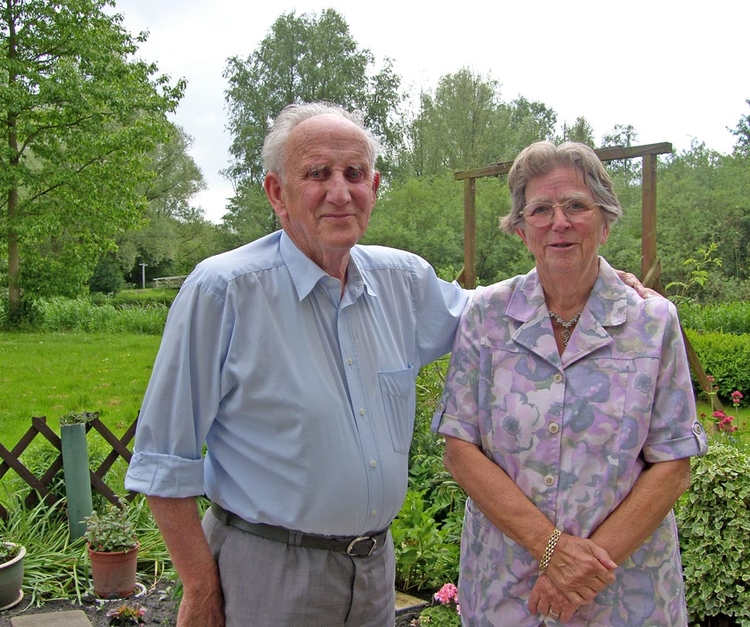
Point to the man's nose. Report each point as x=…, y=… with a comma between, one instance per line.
x=338, y=189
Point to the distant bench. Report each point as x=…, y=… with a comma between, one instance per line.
x=170, y=281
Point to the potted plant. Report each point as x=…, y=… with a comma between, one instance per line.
x=11, y=573
x=113, y=551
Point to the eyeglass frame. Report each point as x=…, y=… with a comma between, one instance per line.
x=575, y=219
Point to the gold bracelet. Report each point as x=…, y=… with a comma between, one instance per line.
x=549, y=550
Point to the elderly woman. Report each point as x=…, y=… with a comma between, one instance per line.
x=569, y=419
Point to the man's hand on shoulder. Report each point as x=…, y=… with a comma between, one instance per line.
x=629, y=279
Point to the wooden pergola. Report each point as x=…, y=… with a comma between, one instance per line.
x=650, y=264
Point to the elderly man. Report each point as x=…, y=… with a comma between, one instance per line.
x=293, y=359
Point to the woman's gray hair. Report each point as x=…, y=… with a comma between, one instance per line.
x=273, y=153
x=543, y=157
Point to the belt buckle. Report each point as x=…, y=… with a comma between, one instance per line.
x=350, y=550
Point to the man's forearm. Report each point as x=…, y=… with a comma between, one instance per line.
x=180, y=525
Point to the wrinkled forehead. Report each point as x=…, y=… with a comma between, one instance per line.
x=328, y=133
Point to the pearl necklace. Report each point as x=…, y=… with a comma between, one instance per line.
x=565, y=324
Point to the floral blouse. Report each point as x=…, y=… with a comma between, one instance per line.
x=574, y=431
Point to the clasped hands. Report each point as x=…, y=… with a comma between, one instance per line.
x=578, y=571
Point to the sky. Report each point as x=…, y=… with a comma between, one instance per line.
x=676, y=71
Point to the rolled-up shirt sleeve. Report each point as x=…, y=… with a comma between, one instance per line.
x=182, y=397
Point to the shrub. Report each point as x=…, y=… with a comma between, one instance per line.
x=727, y=358
x=732, y=317
x=426, y=551
x=59, y=314
x=714, y=522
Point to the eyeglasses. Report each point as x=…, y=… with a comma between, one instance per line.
x=575, y=209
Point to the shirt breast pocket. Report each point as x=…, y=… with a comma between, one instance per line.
x=399, y=397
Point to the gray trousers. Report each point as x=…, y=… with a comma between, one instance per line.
x=269, y=583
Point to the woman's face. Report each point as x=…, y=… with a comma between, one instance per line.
x=563, y=246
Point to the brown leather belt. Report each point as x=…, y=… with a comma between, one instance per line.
x=356, y=546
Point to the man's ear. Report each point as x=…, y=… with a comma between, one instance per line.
x=272, y=187
x=375, y=183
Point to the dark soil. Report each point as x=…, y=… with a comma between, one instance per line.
x=160, y=604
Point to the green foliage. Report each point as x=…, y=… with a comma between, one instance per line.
x=426, y=551
x=464, y=123
x=79, y=116
x=439, y=616
x=64, y=314
x=107, y=277
x=111, y=530
x=8, y=550
x=127, y=614
x=303, y=59
x=713, y=518
x=700, y=270
x=55, y=567
x=154, y=296
x=731, y=317
x=726, y=357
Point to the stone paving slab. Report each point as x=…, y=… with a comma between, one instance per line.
x=406, y=602
x=70, y=618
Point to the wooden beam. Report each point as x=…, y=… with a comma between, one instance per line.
x=605, y=154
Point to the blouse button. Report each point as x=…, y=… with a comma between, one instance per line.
x=549, y=480
x=557, y=377
x=553, y=428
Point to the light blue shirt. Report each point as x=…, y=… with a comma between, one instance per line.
x=304, y=397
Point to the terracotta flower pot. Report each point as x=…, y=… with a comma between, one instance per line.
x=11, y=578
x=113, y=573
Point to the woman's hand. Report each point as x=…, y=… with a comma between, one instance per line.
x=547, y=599
x=580, y=569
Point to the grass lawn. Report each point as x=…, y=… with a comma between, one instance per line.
x=49, y=374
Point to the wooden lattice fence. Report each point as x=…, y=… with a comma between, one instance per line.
x=41, y=488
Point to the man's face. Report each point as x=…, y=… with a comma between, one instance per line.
x=328, y=189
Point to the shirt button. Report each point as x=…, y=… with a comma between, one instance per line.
x=549, y=480
x=350, y=361
x=361, y=411
x=553, y=428
x=373, y=463
x=557, y=377
x=697, y=428
x=374, y=513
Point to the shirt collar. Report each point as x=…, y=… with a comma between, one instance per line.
x=306, y=274
x=607, y=302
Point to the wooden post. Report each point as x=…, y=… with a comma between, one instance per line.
x=648, y=214
x=470, y=234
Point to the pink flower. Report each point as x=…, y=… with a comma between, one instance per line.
x=447, y=594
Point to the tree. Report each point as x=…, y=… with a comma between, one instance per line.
x=465, y=124
x=78, y=117
x=581, y=132
x=175, y=180
x=742, y=133
x=302, y=59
